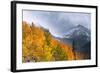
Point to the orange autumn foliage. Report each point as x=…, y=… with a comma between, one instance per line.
x=68, y=50
x=38, y=45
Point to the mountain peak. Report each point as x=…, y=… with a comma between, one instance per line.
x=78, y=30
x=80, y=26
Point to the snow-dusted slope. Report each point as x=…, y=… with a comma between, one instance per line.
x=79, y=30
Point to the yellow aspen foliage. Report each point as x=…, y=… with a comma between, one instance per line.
x=38, y=45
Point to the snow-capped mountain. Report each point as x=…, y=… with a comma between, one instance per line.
x=80, y=36
x=79, y=30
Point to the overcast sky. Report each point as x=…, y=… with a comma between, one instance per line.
x=58, y=23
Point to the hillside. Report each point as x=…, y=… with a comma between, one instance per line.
x=38, y=45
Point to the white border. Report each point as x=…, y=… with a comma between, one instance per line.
x=21, y=65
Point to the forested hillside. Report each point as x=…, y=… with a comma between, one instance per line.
x=38, y=45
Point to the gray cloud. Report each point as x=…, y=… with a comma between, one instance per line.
x=58, y=23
